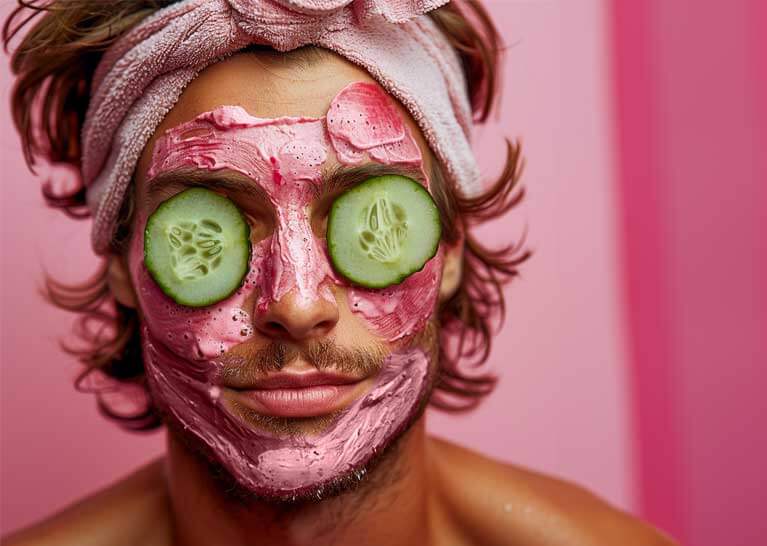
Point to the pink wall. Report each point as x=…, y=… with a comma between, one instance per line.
x=692, y=121
x=562, y=406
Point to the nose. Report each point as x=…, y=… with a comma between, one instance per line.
x=296, y=318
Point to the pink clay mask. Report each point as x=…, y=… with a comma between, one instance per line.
x=183, y=345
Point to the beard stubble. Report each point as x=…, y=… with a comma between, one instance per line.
x=382, y=469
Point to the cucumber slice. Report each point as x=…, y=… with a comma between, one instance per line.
x=382, y=231
x=197, y=247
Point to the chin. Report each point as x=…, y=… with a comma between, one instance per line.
x=380, y=467
x=253, y=464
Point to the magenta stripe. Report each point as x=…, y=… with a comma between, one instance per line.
x=641, y=186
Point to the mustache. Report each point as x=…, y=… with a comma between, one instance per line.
x=325, y=355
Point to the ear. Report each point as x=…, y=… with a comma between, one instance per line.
x=119, y=281
x=452, y=270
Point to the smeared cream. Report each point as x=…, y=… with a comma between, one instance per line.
x=266, y=463
x=397, y=311
x=363, y=120
x=284, y=157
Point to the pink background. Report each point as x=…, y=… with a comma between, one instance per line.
x=633, y=354
x=691, y=86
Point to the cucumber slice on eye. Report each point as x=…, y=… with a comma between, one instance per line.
x=382, y=231
x=197, y=247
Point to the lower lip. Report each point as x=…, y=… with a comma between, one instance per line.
x=301, y=402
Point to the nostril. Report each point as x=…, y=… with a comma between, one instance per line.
x=292, y=318
x=325, y=325
x=275, y=327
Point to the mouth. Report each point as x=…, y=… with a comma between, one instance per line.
x=300, y=395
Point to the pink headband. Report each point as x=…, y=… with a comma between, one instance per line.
x=142, y=75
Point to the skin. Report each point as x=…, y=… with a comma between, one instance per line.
x=291, y=294
x=426, y=491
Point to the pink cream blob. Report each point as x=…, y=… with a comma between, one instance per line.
x=285, y=157
x=362, y=120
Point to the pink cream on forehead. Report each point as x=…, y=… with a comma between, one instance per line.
x=285, y=158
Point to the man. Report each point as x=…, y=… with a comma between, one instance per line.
x=294, y=242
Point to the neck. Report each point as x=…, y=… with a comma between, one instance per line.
x=389, y=507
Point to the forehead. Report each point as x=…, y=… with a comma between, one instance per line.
x=270, y=85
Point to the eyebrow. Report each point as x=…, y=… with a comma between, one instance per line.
x=336, y=180
x=340, y=178
x=227, y=180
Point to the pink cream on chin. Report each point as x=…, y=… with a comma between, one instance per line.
x=269, y=464
x=285, y=157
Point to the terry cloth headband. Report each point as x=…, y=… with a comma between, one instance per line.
x=142, y=75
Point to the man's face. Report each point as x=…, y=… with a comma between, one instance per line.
x=299, y=378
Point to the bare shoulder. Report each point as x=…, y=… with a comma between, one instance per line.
x=131, y=511
x=495, y=503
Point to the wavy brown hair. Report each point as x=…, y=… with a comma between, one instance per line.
x=54, y=63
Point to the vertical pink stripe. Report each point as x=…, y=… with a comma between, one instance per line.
x=692, y=125
x=641, y=187
x=714, y=140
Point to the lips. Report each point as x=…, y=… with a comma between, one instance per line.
x=299, y=394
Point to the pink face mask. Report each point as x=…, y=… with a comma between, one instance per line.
x=285, y=157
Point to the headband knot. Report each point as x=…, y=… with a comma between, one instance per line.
x=393, y=11
x=289, y=24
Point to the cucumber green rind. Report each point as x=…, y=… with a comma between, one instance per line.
x=347, y=221
x=198, y=205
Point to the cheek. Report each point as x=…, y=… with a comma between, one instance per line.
x=193, y=333
x=363, y=122
x=402, y=310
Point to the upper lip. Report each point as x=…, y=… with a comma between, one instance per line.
x=284, y=380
